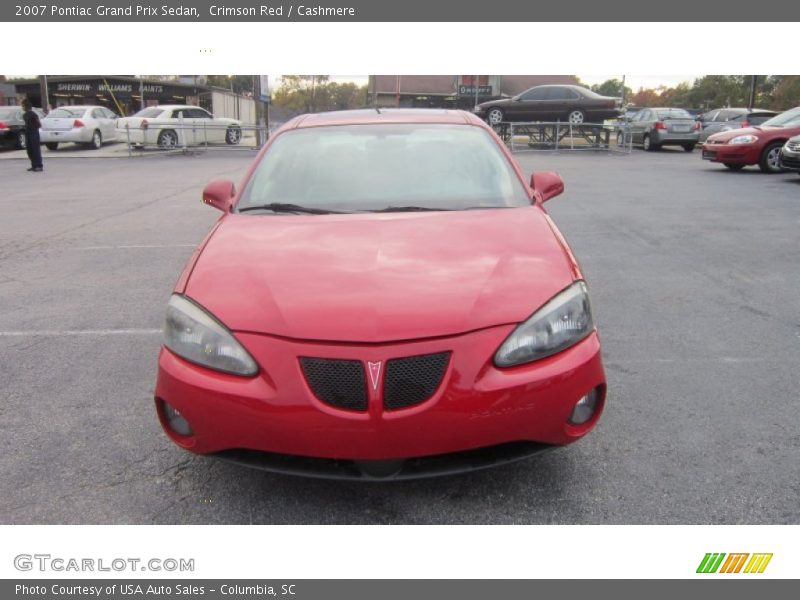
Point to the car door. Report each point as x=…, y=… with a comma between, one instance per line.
x=638, y=125
x=111, y=118
x=206, y=130
x=559, y=102
x=530, y=105
x=181, y=121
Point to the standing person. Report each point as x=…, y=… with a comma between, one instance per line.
x=32, y=142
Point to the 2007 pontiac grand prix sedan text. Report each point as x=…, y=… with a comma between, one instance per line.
x=384, y=297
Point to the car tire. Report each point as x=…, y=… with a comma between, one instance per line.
x=621, y=139
x=769, y=161
x=495, y=116
x=97, y=140
x=689, y=147
x=51, y=145
x=576, y=117
x=647, y=145
x=233, y=136
x=734, y=167
x=20, y=142
x=167, y=139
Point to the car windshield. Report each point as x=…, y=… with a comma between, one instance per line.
x=673, y=113
x=149, y=113
x=790, y=118
x=380, y=167
x=66, y=113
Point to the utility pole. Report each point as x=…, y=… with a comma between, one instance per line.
x=476, y=90
x=262, y=110
x=623, y=90
x=43, y=92
x=752, y=102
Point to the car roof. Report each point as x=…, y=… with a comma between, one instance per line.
x=373, y=116
x=174, y=106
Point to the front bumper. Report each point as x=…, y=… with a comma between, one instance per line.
x=82, y=135
x=790, y=160
x=734, y=154
x=476, y=406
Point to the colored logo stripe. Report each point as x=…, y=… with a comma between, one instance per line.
x=733, y=564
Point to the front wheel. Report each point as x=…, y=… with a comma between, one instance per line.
x=233, y=135
x=576, y=117
x=734, y=167
x=52, y=145
x=21, y=142
x=495, y=116
x=689, y=147
x=770, y=159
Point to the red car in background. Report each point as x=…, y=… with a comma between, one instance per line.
x=383, y=297
x=754, y=145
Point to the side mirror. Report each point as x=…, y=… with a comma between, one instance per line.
x=548, y=183
x=219, y=194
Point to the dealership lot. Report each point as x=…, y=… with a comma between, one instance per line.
x=693, y=275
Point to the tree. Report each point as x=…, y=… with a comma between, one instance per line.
x=314, y=93
x=646, y=97
x=612, y=87
x=240, y=84
x=786, y=93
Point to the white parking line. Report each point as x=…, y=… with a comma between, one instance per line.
x=137, y=246
x=67, y=332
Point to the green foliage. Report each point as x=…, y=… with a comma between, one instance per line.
x=316, y=93
x=612, y=87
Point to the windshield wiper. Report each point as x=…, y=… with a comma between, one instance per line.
x=280, y=207
x=407, y=209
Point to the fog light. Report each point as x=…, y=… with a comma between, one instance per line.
x=176, y=421
x=584, y=408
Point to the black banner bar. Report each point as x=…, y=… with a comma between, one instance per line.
x=402, y=11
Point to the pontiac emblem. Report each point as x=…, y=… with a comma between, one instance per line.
x=374, y=373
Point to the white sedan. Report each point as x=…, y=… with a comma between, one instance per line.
x=90, y=125
x=172, y=126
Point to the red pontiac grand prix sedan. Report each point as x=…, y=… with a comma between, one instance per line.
x=384, y=296
x=759, y=145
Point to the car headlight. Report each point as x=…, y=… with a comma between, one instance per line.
x=743, y=139
x=192, y=333
x=562, y=322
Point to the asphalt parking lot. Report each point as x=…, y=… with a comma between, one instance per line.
x=694, y=278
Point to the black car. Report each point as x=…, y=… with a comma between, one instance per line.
x=570, y=103
x=12, y=126
x=725, y=119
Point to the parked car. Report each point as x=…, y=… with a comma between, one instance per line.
x=760, y=145
x=173, y=125
x=790, y=154
x=653, y=128
x=12, y=126
x=725, y=119
x=90, y=125
x=383, y=286
x=571, y=103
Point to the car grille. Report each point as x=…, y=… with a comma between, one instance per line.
x=339, y=383
x=793, y=146
x=413, y=380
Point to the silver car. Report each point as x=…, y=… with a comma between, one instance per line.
x=653, y=128
x=790, y=154
x=725, y=119
x=91, y=125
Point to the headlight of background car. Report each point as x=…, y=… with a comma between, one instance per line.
x=195, y=335
x=562, y=322
x=744, y=139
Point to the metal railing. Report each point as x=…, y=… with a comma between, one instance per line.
x=190, y=136
x=557, y=136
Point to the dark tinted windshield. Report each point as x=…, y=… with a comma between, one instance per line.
x=790, y=118
x=373, y=167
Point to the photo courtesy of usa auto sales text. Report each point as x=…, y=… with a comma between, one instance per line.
x=135, y=589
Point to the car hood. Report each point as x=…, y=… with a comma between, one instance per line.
x=498, y=102
x=726, y=136
x=380, y=277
